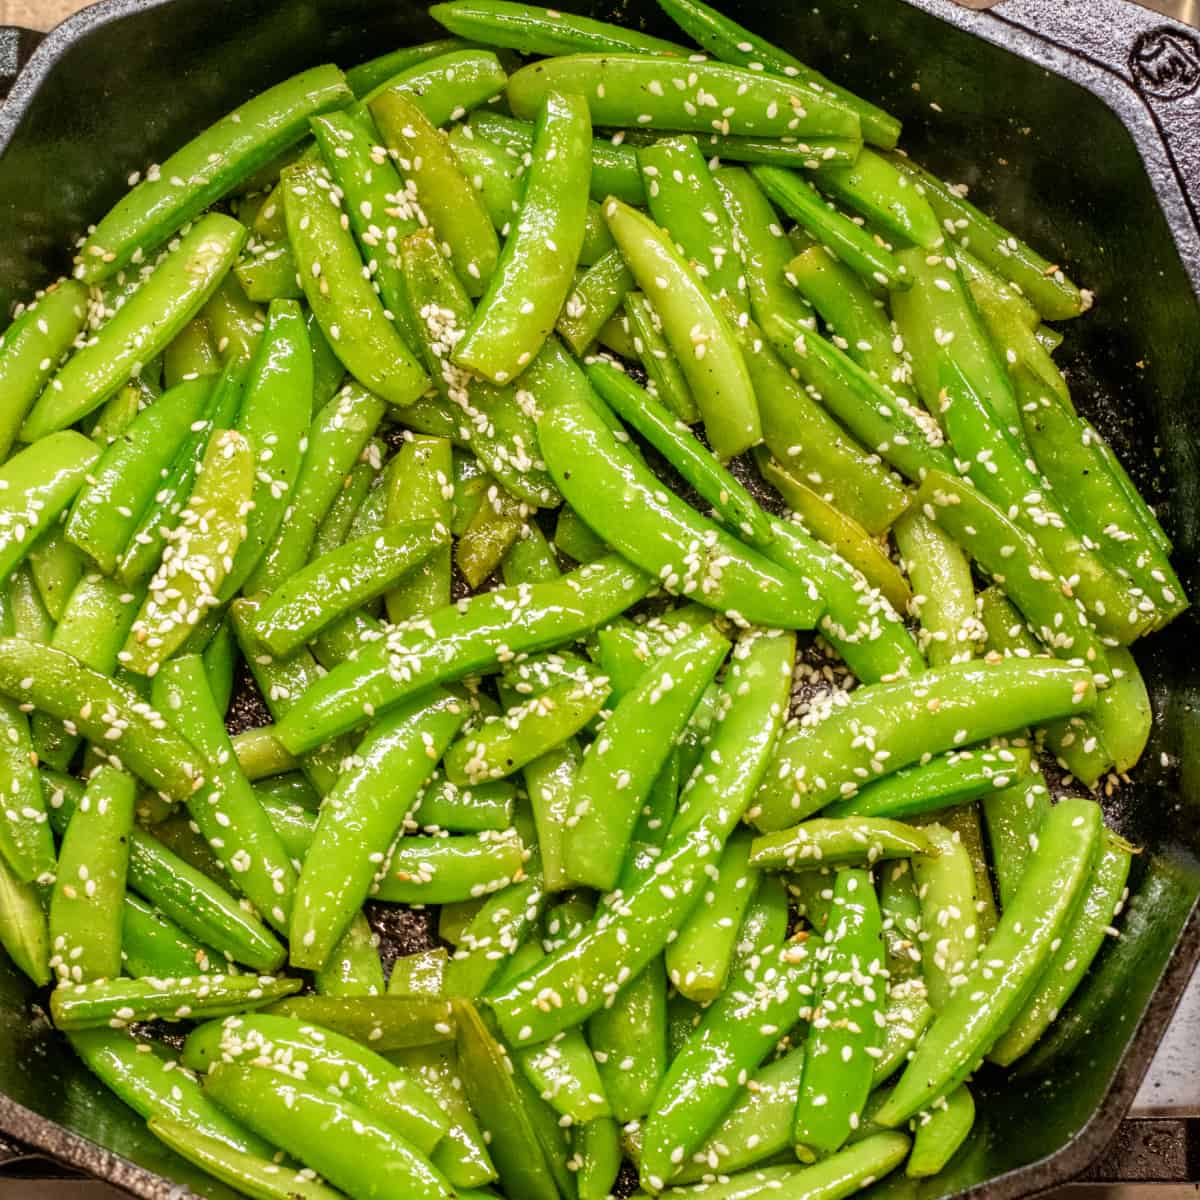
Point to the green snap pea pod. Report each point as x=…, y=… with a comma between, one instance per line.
x=954, y=778
x=736, y=1033
x=151, y=944
x=150, y=1080
x=145, y=549
x=339, y=434
x=940, y=1132
x=353, y=968
x=761, y=246
x=111, y=715
x=508, y=1126
x=348, y=1145
x=850, y=979
x=575, y=539
x=737, y=508
x=29, y=617
x=375, y=71
x=384, y=1023
x=597, y=295
x=361, y=817
x=944, y=592
x=1075, y=741
x=24, y=932
x=858, y=322
x=328, y=372
x=249, y=1174
x=492, y=419
x=564, y=1074
x=699, y=959
x=225, y=808
x=349, y=312
x=906, y=438
x=330, y=1061
x=260, y=754
x=984, y=1007
x=268, y=273
x=906, y=1018
x=599, y=476
x=1017, y=344
x=56, y=567
x=1074, y=459
x=220, y=661
x=86, y=905
x=879, y=191
x=274, y=418
x=116, y=413
x=694, y=327
x=550, y=782
x=533, y=276
x=381, y=209
x=1081, y=941
x=236, y=323
x=629, y=1041
x=447, y=869
x=293, y=822
x=184, y=894
x=1014, y=817
x=114, y=1003
x=666, y=378
x=191, y=355
x=343, y=580
x=1015, y=562
x=122, y=484
x=542, y=31
x=530, y=559
x=730, y=42
x=454, y=641
x=598, y=1152
x=620, y=768
x=901, y=911
x=614, y=167
x=504, y=745
x=93, y=628
x=685, y=201
x=852, y=244
x=446, y=87
x=207, y=168
x=25, y=842
x=199, y=554
x=829, y=841
x=625, y=89
x=809, y=153
x=38, y=483
x=435, y=182
x=950, y=937
x=813, y=447
x=420, y=974
x=357, y=483
x=1124, y=714
x=845, y=536
x=475, y=808
x=31, y=349
x=141, y=327
x=496, y=524
x=1041, y=282
x=946, y=706
x=990, y=291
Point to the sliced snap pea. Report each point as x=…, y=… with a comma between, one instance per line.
x=530, y=559
x=533, y=275
x=29, y=616
x=550, y=782
x=31, y=348
x=476, y=808
x=199, y=554
x=879, y=191
x=643, y=91
x=1014, y=817
x=448, y=869
x=421, y=974
x=991, y=997
x=829, y=841
x=350, y=313
x=24, y=933
x=142, y=327
x=494, y=527
x=267, y=272
x=115, y=1003
x=449, y=86
x=574, y=539
x=730, y=42
x=383, y=1023
x=694, y=327
x=454, y=641
x=86, y=905
x=207, y=168
x=946, y=706
x=347, y=1144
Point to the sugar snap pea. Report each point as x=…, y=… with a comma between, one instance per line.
x=447, y=86
x=152, y=944
x=447, y=869
x=877, y=190
x=24, y=932
x=25, y=841
x=384, y=1023
x=833, y=840
x=368, y=75
x=940, y=1132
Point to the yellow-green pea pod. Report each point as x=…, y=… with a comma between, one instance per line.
x=494, y=527
x=694, y=327
x=534, y=273
x=86, y=907
x=347, y=308
x=199, y=554
x=384, y=1023
x=829, y=841
x=142, y=327
x=24, y=933
x=31, y=348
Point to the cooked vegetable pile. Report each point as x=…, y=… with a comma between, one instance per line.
x=649, y=508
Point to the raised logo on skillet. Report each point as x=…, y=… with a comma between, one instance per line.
x=1166, y=63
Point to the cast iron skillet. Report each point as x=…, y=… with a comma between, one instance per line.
x=1076, y=121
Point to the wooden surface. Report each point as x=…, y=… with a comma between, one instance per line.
x=37, y=14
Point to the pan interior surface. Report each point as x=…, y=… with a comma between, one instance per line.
x=1041, y=152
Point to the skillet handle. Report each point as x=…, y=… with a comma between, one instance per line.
x=1158, y=57
x=17, y=45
